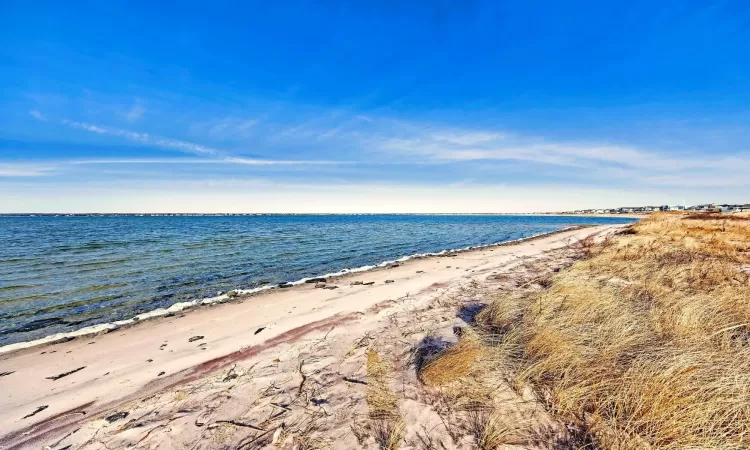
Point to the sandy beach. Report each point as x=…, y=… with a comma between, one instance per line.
x=182, y=376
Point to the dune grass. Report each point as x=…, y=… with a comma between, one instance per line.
x=465, y=380
x=456, y=363
x=643, y=343
x=381, y=402
x=491, y=429
x=385, y=425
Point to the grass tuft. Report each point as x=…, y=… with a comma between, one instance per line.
x=388, y=433
x=455, y=363
x=386, y=425
x=492, y=430
x=381, y=402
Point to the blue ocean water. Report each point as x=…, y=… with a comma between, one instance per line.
x=59, y=274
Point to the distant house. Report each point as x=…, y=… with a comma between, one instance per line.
x=735, y=208
x=704, y=207
x=731, y=208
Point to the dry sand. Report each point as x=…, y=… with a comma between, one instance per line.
x=229, y=375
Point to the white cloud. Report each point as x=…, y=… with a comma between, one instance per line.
x=232, y=127
x=25, y=170
x=135, y=112
x=472, y=138
x=574, y=158
x=37, y=115
x=225, y=128
x=145, y=138
x=226, y=160
x=477, y=153
x=706, y=180
x=266, y=162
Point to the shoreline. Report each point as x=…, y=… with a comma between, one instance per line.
x=84, y=380
x=306, y=214
x=243, y=294
x=607, y=215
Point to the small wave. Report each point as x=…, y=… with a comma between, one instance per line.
x=13, y=260
x=47, y=263
x=16, y=287
x=29, y=298
x=102, y=263
x=56, y=307
x=34, y=325
x=96, y=288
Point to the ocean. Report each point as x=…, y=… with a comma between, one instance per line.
x=58, y=274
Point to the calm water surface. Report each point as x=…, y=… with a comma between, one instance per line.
x=62, y=273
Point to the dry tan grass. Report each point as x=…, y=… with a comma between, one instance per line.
x=388, y=433
x=467, y=381
x=455, y=363
x=493, y=430
x=381, y=402
x=386, y=425
x=646, y=343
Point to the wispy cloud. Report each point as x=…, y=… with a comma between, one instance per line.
x=621, y=161
x=227, y=160
x=35, y=113
x=463, y=152
x=135, y=112
x=234, y=127
x=35, y=169
x=145, y=138
x=471, y=138
x=225, y=128
x=265, y=162
x=25, y=170
x=705, y=179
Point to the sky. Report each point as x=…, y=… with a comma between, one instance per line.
x=328, y=106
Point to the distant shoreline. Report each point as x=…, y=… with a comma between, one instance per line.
x=626, y=215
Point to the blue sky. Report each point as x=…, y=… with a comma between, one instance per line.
x=325, y=106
